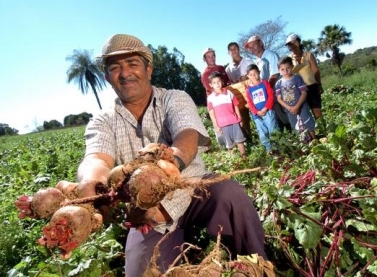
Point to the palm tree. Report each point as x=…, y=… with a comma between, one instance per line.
x=310, y=46
x=332, y=37
x=85, y=72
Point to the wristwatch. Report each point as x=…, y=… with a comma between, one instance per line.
x=181, y=164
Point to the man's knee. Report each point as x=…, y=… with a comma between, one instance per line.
x=226, y=191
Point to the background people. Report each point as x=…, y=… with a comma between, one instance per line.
x=267, y=63
x=209, y=56
x=260, y=100
x=305, y=64
x=236, y=69
x=291, y=93
x=225, y=115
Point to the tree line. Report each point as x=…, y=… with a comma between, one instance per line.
x=5, y=129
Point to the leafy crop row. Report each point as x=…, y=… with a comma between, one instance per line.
x=317, y=202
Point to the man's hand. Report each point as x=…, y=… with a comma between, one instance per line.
x=144, y=221
x=169, y=168
x=166, y=160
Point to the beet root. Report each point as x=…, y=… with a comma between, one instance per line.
x=42, y=204
x=211, y=270
x=178, y=272
x=69, y=227
x=23, y=204
x=147, y=186
x=46, y=202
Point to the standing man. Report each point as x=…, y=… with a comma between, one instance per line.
x=267, y=62
x=144, y=115
x=236, y=69
x=209, y=57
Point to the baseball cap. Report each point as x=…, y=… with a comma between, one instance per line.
x=208, y=49
x=124, y=44
x=291, y=38
x=251, y=39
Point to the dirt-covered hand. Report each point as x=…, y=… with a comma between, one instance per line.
x=66, y=187
x=169, y=168
x=86, y=188
x=145, y=220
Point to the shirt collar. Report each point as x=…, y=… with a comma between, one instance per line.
x=223, y=91
x=156, y=98
x=239, y=63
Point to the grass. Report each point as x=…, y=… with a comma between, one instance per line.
x=365, y=80
x=54, y=155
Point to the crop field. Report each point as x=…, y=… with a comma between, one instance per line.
x=317, y=201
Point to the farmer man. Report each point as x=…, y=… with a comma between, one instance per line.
x=267, y=62
x=209, y=57
x=144, y=115
x=236, y=69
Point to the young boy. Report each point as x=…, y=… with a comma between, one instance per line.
x=225, y=115
x=291, y=93
x=260, y=99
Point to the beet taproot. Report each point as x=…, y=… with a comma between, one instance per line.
x=68, y=228
x=148, y=186
x=42, y=204
x=178, y=272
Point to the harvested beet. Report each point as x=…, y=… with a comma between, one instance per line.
x=148, y=186
x=41, y=205
x=141, y=184
x=46, y=202
x=69, y=227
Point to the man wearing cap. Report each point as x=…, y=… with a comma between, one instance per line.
x=209, y=57
x=267, y=62
x=144, y=115
x=236, y=69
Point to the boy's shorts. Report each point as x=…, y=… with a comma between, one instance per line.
x=306, y=117
x=232, y=135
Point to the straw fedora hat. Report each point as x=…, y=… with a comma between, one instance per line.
x=125, y=44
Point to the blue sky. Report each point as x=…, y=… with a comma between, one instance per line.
x=37, y=36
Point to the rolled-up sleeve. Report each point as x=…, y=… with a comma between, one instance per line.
x=182, y=114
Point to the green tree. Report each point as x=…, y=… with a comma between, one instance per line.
x=272, y=34
x=5, y=129
x=52, y=124
x=193, y=86
x=172, y=72
x=85, y=72
x=167, y=68
x=332, y=37
x=77, y=119
x=311, y=46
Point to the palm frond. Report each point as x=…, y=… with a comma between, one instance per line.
x=85, y=72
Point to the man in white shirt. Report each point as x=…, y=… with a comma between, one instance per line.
x=236, y=69
x=267, y=62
